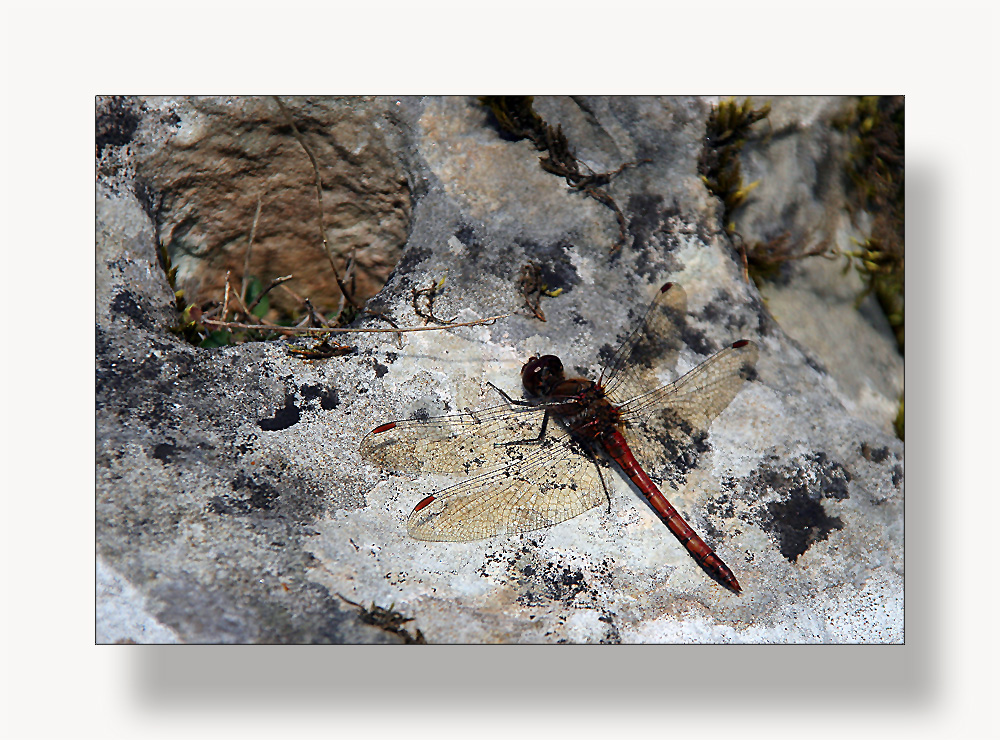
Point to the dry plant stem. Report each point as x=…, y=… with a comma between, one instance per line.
x=225, y=301
x=345, y=295
x=273, y=284
x=319, y=199
x=243, y=306
x=246, y=258
x=313, y=315
x=309, y=331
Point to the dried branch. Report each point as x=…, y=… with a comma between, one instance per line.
x=344, y=292
x=246, y=257
x=273, y=284
x=319, y=199
x=533, y=288
x=225, y=301
x=309, y=331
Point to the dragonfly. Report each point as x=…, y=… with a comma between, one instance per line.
x=534, y=462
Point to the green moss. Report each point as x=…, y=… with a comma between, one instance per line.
x=726, y=132
x=719, y=163
x=515, y=114
x=876, y=171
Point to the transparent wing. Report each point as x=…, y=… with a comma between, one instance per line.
x=654, y=343
x=667, y=427
x=550, y=482
x=460, y=443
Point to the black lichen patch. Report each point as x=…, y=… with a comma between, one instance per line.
x=831, y=475
x=261, y=496
x=166, y=451
x=612, y=635
x=466, y=234
x=645, y=218
x=328, y=397
x=797, y=519
x=696, y=340
x=278, y=502
x=555, y=262
x=542, y=582
x=680, y=451
x=122, y=385
x=380, y=370
x=172, y=391
x=127, y=304
x=874, y=454
x=546, y=582
x=724, y=311
x=799, y=522
x=656, y=230
x=410, y=258
x=117, y=121
x=283, y=418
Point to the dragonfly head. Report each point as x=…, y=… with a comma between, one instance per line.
x=540, y=374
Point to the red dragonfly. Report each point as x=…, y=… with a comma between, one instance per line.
x=538, y=460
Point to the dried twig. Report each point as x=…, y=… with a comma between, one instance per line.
x=533, y=288
x=309, y=331
x=428, y=294
x=225, y=301
x=319, y=198
x=387, y=619
x=344, y=292
x=313, y=315
x=246, y=257
x=273, y=284
x=324, y=350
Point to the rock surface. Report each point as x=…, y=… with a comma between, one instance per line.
x=233, y=505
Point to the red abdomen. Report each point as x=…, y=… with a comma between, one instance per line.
x=618, y=449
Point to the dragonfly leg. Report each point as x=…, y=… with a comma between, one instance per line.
x=535, y=441
x=510, y=401
x=592, y=454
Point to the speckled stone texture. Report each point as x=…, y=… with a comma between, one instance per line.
x=232, y=502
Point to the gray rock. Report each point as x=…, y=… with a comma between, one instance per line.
x=233, y=504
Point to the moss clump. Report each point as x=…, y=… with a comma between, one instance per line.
x=726, y=132
x=719, y=163
x=876, y=170
x=516, y=115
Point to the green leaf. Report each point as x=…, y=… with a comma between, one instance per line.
x=254, y=289
x=262, y=308
x=216, y=339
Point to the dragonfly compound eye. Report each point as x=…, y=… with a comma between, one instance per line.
x=540, y=374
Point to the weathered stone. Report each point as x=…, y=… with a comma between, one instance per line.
x=232, y=503
x=213, y=158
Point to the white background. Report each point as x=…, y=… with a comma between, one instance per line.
x=59, y=684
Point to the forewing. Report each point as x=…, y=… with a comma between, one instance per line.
x=548, y=483
x=459, y=443
x=654, y=343
x=668, y=427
